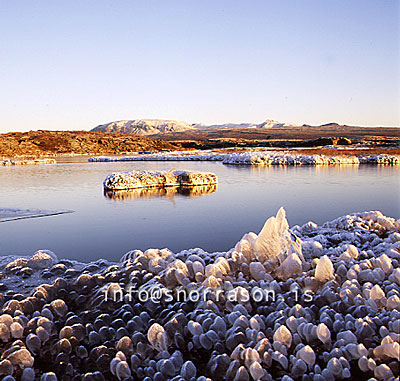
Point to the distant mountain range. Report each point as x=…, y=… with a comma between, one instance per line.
x=267, y=124
x=144, y=127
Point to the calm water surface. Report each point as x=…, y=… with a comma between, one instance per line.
x=102, y=227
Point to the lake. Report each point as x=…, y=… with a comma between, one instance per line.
x=104, y=227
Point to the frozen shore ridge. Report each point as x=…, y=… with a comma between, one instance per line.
x=258, y=158
x=307, y=303
x=9, y=162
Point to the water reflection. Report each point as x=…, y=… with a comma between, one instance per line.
x=198, y=190
x=169, y=192
x=246, y=197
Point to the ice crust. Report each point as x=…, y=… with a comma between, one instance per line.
x=9, y=162
x=259, y=158
x=9, y=214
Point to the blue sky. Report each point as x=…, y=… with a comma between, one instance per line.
x=74, y=65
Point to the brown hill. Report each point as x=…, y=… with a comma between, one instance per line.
x=304, y=132
x=50, y=143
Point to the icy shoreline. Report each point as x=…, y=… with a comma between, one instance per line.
x=260, y=158
x=11, y=162
x=82, y=320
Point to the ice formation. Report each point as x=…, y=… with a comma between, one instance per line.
x=268, y=157
x=9, y=162
x=66, y=328
x=154, y=179
x=324, y=270
x=10, y=214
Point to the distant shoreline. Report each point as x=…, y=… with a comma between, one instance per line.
x=50, y=144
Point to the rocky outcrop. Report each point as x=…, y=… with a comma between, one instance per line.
x=330, y=141
x=50, y=143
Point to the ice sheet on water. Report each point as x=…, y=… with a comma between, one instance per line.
x=10, y=214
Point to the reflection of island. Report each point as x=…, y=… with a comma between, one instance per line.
x=198, y=190
x=169, y=192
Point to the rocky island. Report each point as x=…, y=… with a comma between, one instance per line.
x=158, y=179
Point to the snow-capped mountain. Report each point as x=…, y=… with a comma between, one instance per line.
x=154, y=126
x=226, y=125
x=144, y=126
x=273, y=124
x=266, y=124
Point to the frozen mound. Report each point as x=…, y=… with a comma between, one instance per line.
x=260, y=158
x=153, y=179
x=41, y=259
x=10, y=162
x=307, y=303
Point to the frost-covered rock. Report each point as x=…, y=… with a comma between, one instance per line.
x=42, y=259
x=351, y=325
x=307, y=355
x=312, y=249
x=323, y=333
x=21, y=358
x=291, y=266
x=283, y=336
x=257, y=270
x=324, y=270
x=388, y=351
x=157, y=337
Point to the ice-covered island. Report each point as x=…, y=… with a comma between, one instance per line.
x=158, y=179
x=307, y=303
